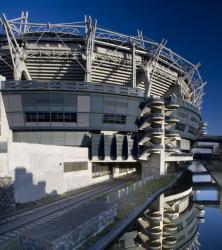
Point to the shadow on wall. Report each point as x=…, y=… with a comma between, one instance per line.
x=24, y=188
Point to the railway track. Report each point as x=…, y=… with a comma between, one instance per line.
x=11, y=226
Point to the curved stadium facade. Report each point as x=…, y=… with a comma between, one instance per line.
x=81, y=103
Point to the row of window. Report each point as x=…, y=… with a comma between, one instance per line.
x=50, y=117
x=98, y=170
x=69, y=117
x=114, y=119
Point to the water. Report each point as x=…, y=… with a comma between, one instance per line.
x=188, y=216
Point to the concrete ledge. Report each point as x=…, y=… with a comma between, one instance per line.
x=70, y=230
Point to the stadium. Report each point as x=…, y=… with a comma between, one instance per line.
x=81, y=104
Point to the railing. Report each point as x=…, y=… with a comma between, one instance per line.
x=203, y=131
x=123, y=192
x=72, y=86
x=171, y=117
x=172, y=132
x=153, y=115
x=178, y=195
x=203, y=124
x=154, y=130
x=182, y=154
x=150, y=148
x=150, y=118
x=153, y=146
x=172, y=148
x=151, y=100
x=100, y=173
x=188, y=105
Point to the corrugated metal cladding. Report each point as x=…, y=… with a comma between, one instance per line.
x=89, y=109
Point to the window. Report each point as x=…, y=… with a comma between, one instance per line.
x=180, y=126
x=114, y=119
x=75, y=166
x=99, y=170
x=31, y=116
x=50, y=117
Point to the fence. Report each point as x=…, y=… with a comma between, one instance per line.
x=116, y=196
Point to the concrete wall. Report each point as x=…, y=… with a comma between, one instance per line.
x=5, y=132
x=37, y=170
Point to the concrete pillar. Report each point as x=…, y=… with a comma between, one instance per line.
x=155, y=166
x=115, y=171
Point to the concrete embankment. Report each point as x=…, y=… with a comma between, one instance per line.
x=123, y=224
x=70, y=230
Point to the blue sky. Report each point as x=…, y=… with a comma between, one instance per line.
x=191, y=27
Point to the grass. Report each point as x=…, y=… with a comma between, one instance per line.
x=137, y=198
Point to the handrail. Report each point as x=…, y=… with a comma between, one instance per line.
x=170, y=117
x=153, y=130
x=172, y=131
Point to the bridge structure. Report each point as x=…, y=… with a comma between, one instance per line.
x=208, y=147
x=209, y=138
x=206, y=185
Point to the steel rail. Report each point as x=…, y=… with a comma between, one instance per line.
x=32, y=217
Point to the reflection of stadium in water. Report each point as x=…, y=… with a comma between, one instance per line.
x=171, y=222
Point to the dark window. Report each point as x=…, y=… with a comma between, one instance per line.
x=180, y=126
x=40, y=117
x=67, y=117
x=54, y=117
x=46, y=116
x=114, y=119
x=31, y=116
x=60, y=117
x=50, y=117
x=73, y=117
